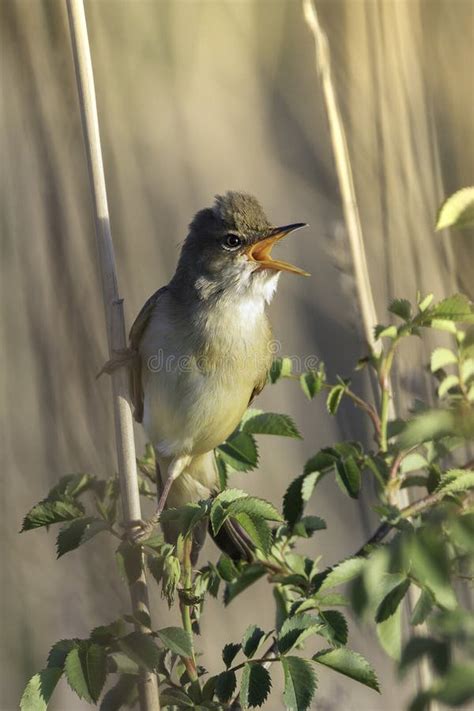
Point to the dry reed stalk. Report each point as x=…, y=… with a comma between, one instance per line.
x=355, y=235
x=113, y=304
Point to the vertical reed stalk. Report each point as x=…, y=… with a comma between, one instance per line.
x=148, y=684
x=354, y=232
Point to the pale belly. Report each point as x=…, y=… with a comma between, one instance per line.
x=192, y=412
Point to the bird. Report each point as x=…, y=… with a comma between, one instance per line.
x=201, y=350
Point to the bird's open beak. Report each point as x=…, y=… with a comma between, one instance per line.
x=261, y=251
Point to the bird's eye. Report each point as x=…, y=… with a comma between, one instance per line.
x=231, y=242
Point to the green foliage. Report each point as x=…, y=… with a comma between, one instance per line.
x=424, y=550
x=457, y=210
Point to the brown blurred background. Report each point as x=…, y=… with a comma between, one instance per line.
x=196, y=98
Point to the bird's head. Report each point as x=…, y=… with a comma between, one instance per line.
x=229, y=247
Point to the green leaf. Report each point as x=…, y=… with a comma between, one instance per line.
x=255, y=507
x=430, y=566
x=251, y=640
x=401, y=308
x=307, y=525
x=349, y=663
x=86, y=668
x=141, y=649
x=257, y=529
x=312, y=382
x=381, y=331
x=431, y=424
x=240, y=452
x=451, y=381
x=334, y=398
x=78, y=532
x=343, y=572
x=39, y=689
x=225, y=685
x=185, y=518
x=456, y=308
x=413, y=462
x=295, y=630
x=176, y=639
x=229, y=653
x=258, y=422
x=348, y=477
x=300, y=683
x=222, y=471
x=425, y=302
x=456, y=481
x=390, y=603
x=220, y=506
x=389, y=633
x=301, y=488
x=457, y=210
x=255, y=685
x=176, y=699
x=71, y=485
x=124, y=693
x=280, y=368
x=120, y=663
x=249, y=575
x=59, y=651
x=48, y=512
x=423, y=607
x=334, y=627
x=441, y=357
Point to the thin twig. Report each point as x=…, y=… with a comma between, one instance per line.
x=148, y=682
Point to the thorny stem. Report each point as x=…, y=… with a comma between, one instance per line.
x=189, y=662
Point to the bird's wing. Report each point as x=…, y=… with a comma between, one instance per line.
x=258, y=387
x=136, y=333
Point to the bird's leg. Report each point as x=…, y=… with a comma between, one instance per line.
x=139, y=530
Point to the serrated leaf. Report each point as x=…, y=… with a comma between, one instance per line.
x=342, y=573
x=451, y=381
x=255, y=685
x=48, y=512
x=389, y=633
x=141, y=649
x=248, y=576
x=239, y=452
x=176, y=699
x=85, y=669
x=423, y=607
x=441, y=357
x=391, y=601
x=349, y=663
x=225, y=685
x=334, y=398
x=431, y=424
x=280, y=368
x=176, y=639
x=222, y=471
x=272, y=423
x=456, y=308
x=78, y=532
x=70, y=486
x=185, y=518
x=307, y=525
x=300, y=490
x=312, y=382
x=59, y=651
x=220, y=506
x=381, y=331
x=120, y=663
x=333, y=627
x=229, y=653
x=39, y=689
x=425, y=302
x=348, y=476
x=257, y=529
x=124, y=693
x=457, y=210
x=300, y=683
x=255, y=507
x=456, y=481
x=251, y=640
x=295, y=630
x=401, y=308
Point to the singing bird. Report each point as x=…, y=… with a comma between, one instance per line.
x=202, y=351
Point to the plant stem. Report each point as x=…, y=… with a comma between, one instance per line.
x=113, y=305
x=386, y=367
x=189, y=662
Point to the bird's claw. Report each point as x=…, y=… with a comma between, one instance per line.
x=138, y=531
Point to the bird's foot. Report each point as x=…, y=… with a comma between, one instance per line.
x=137, y=532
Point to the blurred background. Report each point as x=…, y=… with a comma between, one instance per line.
x=197, y=97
